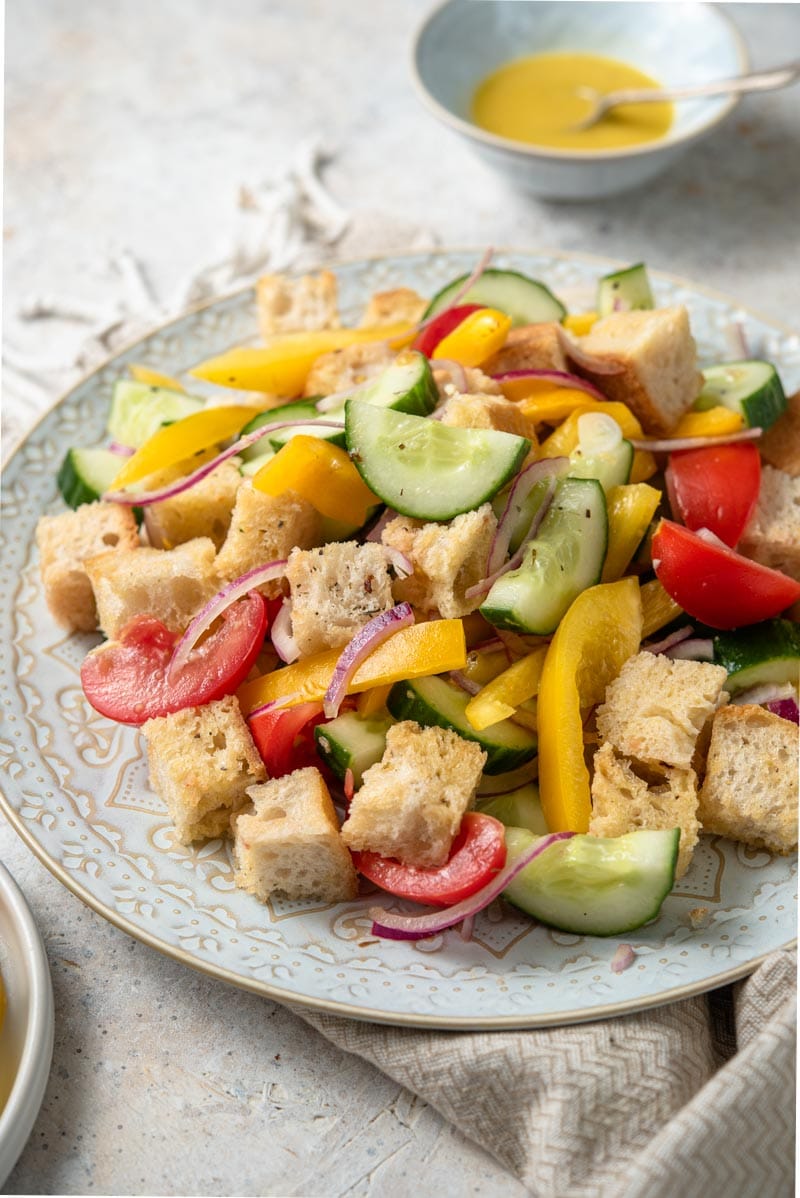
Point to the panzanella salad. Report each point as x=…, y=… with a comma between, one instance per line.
x=477, y=598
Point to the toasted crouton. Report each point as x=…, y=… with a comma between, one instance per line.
x=530, y=347
x=65, y=543
x=411, y=802
x=447, y=559
x=772, y=535
x=623, y=801
x=451, y=377
x=287, y=842
x=750, y=791
x=201, y=761
x=287, y=305
x=265, y=528
x=655, y=353
x=488, y=411
x=780, y=445
x=335, y=590
x=170, y=584
x=204, y=510
x=348, y=367
x=400, y=306
x=657, y=708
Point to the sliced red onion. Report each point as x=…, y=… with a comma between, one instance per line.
x=587, y=361
x=281, y=634
x=667, y=445
x=349, y=785
x=737, y=339
x=623, y=958
x=278, y=704
x=466, y=684
x=524, y=483
x=393, y=926
x=466, y=929
x=695, y=649
x=459, y=295
x=674, y=638
x=376, y=532
x=123, y=451
x=183, y=484
x=766, y=692
x=403, y=565
x=485, y=585
x=456, y=371
x=559, y=378
x=365, y=641
x=218, y=604
x=787, y=709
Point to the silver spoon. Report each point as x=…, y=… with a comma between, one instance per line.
x=764, y=81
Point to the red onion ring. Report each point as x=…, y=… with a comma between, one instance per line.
x=560, y=378
x=281, y=633
x=124, y=451
x=457, y=372
x=217, y=605
x=402, y=565
x=349, y=784
x=787, y=709
x=524, y=483
x=665, y=445
x=467, y=926
x=376, y=532
x=694, y=649
x=674, y=638
x=468, y=283
x=415, y=927
x=623, y=958
x=367, y=639
x=278, y=704
x=466, y=684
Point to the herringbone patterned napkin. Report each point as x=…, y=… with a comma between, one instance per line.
x=691, y=1100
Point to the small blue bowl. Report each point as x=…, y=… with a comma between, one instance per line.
x=463, y=41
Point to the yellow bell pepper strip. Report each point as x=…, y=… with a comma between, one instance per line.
x=552, y=406
x=373, y=700
x=479, y=335
x=154, y=378
x=601, y=630
x=323, y=474
x=630, y=510
x=429, y=648
x=564, y=439
x=281, y=367
x=658, y=608
x=714, y=422
x=501, y=697
x=174, y=442
x=579, y=323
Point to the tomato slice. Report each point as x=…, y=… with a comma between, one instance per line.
x=275, y=733
x=441, y=326
x=126, y=680
x=716, y=488
x=478, y=853
x=715, y=584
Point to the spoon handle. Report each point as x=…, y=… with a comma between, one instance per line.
x=764, y=81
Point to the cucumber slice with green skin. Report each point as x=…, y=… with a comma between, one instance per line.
x=352, y=742
x=625, y=291
x=425, y=469
x=564, y=558
x=611, y=469
x=520, y=808
x=750, y=387
x=85, y=474
x=527, y=510
x=407, y=385
x=493, y=785
x=253, y=465
x=138, y=410
x=761, y=653
x=434, y=702
x=303, y=409
x=525, y=300
x=593, y=886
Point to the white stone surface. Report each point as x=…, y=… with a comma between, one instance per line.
x=135, y=123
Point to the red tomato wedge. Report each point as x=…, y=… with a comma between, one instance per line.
x=478, y=853
x=715, y=584
x=716, y=487
x=126, y=680
x=275, y=734
x=441, y=326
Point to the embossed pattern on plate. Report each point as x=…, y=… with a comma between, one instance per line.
x=76, y=785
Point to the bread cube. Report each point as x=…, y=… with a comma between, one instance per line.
x=657, y=708
x=287, y=842
x=488, y=411
x=170, y=584
x=411, y=803
x=658, y=377
x=750, y=791
x=65, y=543
x=478, y=383
x=447, y=558
x=336, y=590
x=287, y=305
x=204, y=510
x=530, y=347
x=201, y=761
x=400, y=306
x=348, y=367
x=772, y=535
x=265, y=528
x=780, y=444
x=625, y=801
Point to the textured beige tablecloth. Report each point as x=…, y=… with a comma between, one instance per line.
x=691, y=1100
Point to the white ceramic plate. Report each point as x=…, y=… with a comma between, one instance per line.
x=26, y=1037
x=76, y=785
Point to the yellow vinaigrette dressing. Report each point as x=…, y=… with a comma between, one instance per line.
x=536, y=100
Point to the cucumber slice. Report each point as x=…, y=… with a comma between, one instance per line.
x=625, y=291
x=751, y=387
x=425, y=469
x=138, y=410
x=525, y=300
x=303, y=409
x=612, y=469
x=407, y=385
x=761, y=653
x=86, y=474
x=253, y=465
x=352, y=742
x=434, y=702
x=563, y=559
x=493, y=785
x=593, y=886
x=520, y=808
